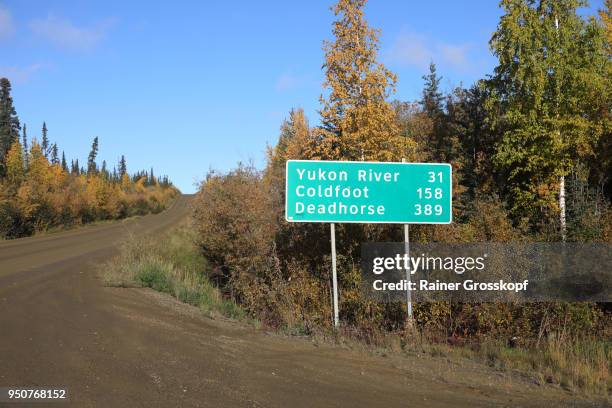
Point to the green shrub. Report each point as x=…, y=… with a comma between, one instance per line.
x=155, y=274
x=172, y=264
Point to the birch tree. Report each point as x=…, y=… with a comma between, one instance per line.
x=550, y=73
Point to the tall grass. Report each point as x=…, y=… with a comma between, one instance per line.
x=170, y=263
x=578, y=364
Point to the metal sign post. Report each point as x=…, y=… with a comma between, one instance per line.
x=408, y=275
x=334, y=274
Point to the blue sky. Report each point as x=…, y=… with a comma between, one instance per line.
x=186, y=86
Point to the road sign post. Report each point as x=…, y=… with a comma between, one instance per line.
x=334, y=273
x=408, y=275
x=368, y=192
x=407, y=252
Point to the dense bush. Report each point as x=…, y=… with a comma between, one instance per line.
x=280, y=271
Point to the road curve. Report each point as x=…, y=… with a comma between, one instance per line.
x=113, y=347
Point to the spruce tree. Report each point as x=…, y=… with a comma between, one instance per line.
x=9, y=122
x=25, y=147
x=442, y=145
x=64, y=163
x=45, y=141
x=468, y=120
x=122, y=166
x=54, y=154
x=432, y=101
x=91, y=159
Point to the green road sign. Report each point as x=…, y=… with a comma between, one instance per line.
x=368, y=192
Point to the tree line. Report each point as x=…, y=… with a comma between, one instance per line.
x=40, y=189
x=530, y=149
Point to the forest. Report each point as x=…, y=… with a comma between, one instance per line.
x=41, y=191
x=531, y=153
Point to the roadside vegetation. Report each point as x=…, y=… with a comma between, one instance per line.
x=171, y=264
x=41, y=191
x=530, y=149
x=575, y=363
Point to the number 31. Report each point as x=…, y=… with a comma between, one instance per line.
x=433, y=177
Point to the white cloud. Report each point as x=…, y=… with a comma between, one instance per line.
x=63, y=34
x=7, y=28
x=287, y=82
x=19, y=74
x=418, y=50
x=411, y=49
x=454, y=54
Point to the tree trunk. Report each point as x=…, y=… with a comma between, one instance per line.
x=562, y=222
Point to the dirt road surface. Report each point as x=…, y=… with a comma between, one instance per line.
x=114, y=347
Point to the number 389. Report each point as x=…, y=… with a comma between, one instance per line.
x=427, y=209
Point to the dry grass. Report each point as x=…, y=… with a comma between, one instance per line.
x=171, y=264
x=576, y=365
x=579, y=366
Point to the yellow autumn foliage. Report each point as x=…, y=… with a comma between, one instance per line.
x=44, y=195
